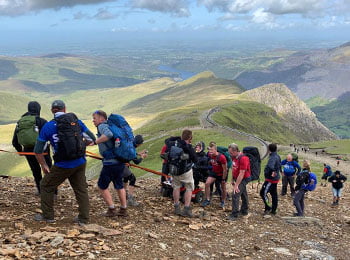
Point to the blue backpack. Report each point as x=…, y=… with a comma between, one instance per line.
x=124, y=149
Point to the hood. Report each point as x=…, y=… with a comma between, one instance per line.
x=34, y=108
x=202, y=144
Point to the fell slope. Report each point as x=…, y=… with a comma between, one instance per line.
x=295, y=114
x=204, y=87
x=322, y=73
x=336, y=115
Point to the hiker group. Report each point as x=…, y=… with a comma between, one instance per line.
x=184, y=166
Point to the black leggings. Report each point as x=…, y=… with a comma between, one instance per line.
x=271, y=188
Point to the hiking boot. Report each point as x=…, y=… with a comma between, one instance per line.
x=334, y=204
x=232, y=217
x=122, y=212
x=205, y=203
x=177, y=209
x=110, y=213
x=222, y=204
x=40, y=217
x=132, y=202
x=273, y=212
x=244, y=213
x=267, y=211
x=81, y=223
x=187, y=212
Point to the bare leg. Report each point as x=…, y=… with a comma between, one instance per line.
x=107, y=197
x=122, y=197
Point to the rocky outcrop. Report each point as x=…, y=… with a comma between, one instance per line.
x=298, y=117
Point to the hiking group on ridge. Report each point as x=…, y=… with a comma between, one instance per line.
x=186, y=165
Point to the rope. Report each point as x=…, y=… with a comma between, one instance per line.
x=98, y=157
x=21, y=153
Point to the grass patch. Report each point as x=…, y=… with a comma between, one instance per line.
x=333, y=146
x=256, y=119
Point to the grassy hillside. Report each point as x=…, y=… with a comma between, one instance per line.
x=13, y=106
x=336, y=115
x=256, y=119
x=334, y=147
x=204, y=87
x=316, y=101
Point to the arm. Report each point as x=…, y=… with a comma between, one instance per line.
x=224, y=172
x=15, y=142
x=90, y=134
x=298, y=167
x=101, y=139
x=38, y=150
x=106, y=134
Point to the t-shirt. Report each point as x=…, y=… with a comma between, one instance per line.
x=103, y=129
x=240, y=163
x=217, y=161
x=49, y=133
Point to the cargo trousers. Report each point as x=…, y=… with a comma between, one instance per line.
x=77, y=180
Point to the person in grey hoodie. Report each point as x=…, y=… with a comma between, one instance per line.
x=272, y=177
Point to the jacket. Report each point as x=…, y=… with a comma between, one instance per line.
x=337, y=184
x=273, y=165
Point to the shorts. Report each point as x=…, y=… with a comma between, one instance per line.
x=131, y=179
x=186, y=179
x=337, y=192
x=217, y=178
x=111, y=173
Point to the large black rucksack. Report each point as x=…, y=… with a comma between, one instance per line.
x=302, y=178
x=255, y=162
x=70, y=144
x=178, y=160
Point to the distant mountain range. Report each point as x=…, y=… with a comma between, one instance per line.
x=323, y=72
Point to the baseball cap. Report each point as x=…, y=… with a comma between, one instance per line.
x=58, y=104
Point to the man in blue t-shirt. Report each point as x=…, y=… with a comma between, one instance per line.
x=290, y=169
x=72, y=169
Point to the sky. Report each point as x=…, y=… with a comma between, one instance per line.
x=33, y=19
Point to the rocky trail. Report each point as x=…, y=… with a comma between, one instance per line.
x=152, y=231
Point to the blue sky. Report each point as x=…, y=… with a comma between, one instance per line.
x=228, y=17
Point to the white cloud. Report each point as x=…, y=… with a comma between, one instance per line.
x=265, y=18
x=20, y=7
x=175, y=7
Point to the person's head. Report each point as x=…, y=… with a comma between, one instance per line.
x=34, y=108
x=272, y=148
x=212, y=148
x=324, y=164
x=138, y=140
x=337, y=173
x=58, y=106
x=289, y=157
x=233, y=150
x=187, y=136
x=98, y=117
x=306, y=165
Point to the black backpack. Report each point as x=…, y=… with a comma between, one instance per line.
x=177, y=159
x=302, y=178
x=255, y=162
x=70, y=144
